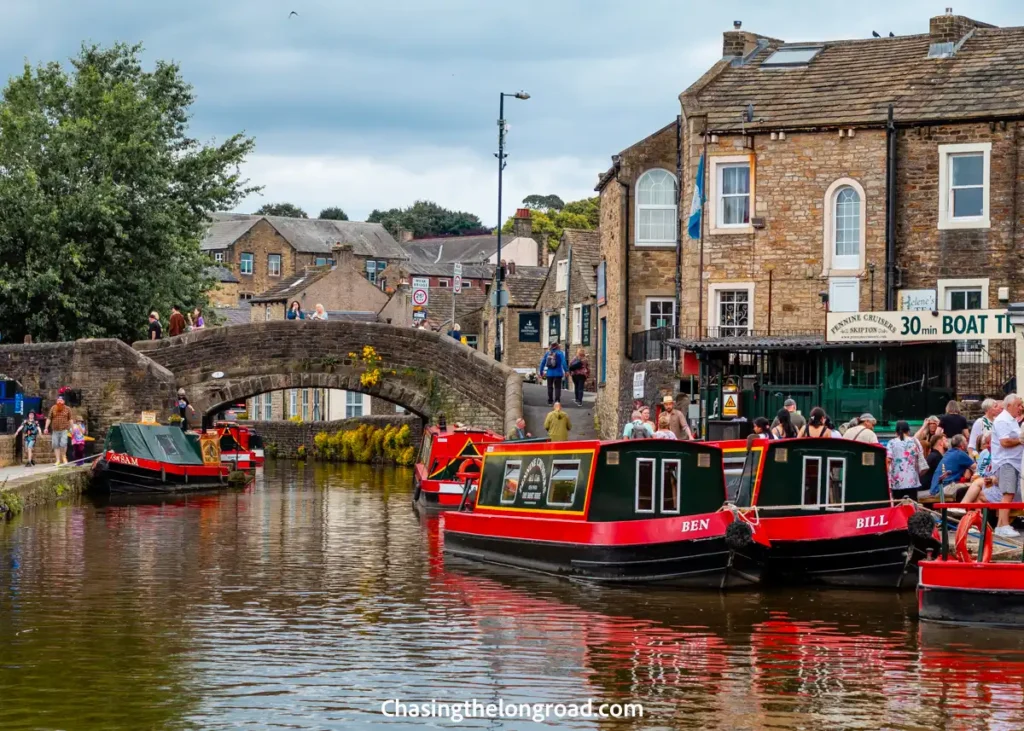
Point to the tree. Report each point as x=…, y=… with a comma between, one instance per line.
x=333, y=213
x=425, y=219
x=584, y=214
x=104, y=197
x=288, y=210
x=543, y=202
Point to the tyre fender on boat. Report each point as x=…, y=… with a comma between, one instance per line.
x=739, y=535
x=923, y=531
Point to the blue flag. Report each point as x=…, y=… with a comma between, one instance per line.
x=696, y=206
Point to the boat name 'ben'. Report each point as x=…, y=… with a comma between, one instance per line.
x=702, y=524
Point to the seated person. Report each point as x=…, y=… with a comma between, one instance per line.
x=956, y=465
x=984, y=486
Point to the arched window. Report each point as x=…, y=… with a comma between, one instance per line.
x=657, y=215
x=844, y=227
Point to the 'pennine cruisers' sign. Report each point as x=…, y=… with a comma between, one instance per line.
x=918, y=325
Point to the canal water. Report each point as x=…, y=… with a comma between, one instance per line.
x=313, y=598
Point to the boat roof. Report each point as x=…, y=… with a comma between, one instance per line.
x=155, y=442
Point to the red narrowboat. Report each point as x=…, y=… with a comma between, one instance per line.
x=240, y=446
x=150, y=459
x=819, y=511
x=958, y=588
x=442, y=454
x=641, y=511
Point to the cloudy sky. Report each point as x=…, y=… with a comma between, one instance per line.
x=376, y=104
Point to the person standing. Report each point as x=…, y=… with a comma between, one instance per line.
x=519, y=432
x=817, y=426
x=319, y=314
x=1006, y=458
x=579, y=370
x=664, y=432
x=953, y=422
x=795, y=417
x=553, y=367
x=676, y=419
x=637, y=428
x=59, y=418
x=295, y=311
x=155, y=330
x=645, y=415
x=183, y=408
x=30, y=428
x=864, y=431
x=198, y=323
x=784, y=428
x=937, y=450
x=176, y=326
x=982, y=425
x=558, y=424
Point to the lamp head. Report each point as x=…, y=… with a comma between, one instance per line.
x=522, y=95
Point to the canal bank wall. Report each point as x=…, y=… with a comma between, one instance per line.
x=42, y=488
x=283, y=438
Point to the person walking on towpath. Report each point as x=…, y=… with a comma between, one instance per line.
x=59, y=418
x=579, y=370
x=177, y=324
x=553, y=367
x=156, y=331
x=557, y=424
x=30, y=428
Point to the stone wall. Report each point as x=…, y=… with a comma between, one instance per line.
x=660, y=380
x=287, y=436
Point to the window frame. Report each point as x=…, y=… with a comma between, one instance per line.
x=661, y=300
x=577, y=324
x=218, y=256
x=640, y=241
x=270, y=269
x=445, y=283
x=654, y=484
x=804, y=505
x=832, y=265
x=519, y=474
x=349, y=406
x=305, y=404
x=293, y=403
x=946, y=287
x=472, y=341
x=946, y=155
x=679, y=469
x=575, y=486
x=714, y=312
x=828, y=505
x=715, y=209
x=561, y=275
x=242, y=261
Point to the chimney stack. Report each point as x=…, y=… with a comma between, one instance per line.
x=522, y=224
x=951, y=28
x=404, y=235
x=738, y=43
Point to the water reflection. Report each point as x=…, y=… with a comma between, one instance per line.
x=310, y=599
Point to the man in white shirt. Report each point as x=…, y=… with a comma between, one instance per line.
x=1007, y=451
x=864, y=431
x=991, y=408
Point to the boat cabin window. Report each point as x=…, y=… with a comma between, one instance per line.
x=833, y=496
x=670, y=486
x=562, y=485
x=510, y=485
x=645, y=486
x=167, y=444
x=425, y=449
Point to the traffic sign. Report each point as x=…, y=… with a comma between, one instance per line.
x=457, y=284
x=419, y=315
x=419, y=297
x=730, y=408
x=458, y=269
x=420, y=290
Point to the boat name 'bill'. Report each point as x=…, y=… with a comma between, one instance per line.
x=123, y=459
x=691, y=525
x=872, y=521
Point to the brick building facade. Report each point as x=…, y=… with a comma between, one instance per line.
x=799, y=180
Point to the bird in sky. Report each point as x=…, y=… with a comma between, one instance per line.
x=291, y=14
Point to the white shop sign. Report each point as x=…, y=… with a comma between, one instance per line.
x=918, y=325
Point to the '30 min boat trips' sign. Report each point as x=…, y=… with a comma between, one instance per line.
x=918, y=325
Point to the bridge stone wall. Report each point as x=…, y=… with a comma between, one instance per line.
x=427, y=373
x=115, y=381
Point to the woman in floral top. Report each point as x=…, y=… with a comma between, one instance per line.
x=904, y=460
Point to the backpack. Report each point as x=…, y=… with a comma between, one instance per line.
x=552, y=361
x=639, y=431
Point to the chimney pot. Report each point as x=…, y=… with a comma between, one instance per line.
x=737, y=24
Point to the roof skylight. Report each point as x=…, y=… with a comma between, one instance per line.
x=792, y=56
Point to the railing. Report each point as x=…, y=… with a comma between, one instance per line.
x=986, y=368
x=653, y=344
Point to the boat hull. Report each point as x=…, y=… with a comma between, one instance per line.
x=118, y=479
x=971, y=593
x=434, y=496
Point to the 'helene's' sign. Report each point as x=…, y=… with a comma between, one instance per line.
x=919, y=325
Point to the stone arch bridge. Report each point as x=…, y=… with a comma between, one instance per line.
x=425, y=372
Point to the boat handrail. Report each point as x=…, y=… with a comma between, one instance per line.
x=978, y=506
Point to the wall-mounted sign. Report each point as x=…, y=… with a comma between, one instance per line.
x=916, y=299
x=585, y=325
x=419, y=315
x=638, y=384
x=918, y=325
x=529, y=327
x=602, y=283
x=148, y=417
x=217, y=374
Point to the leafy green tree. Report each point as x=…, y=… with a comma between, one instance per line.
x=289, y=210
x=584, y=214
x=543, y=202
x=333, y=213
x=425, y=219
x=104, y=197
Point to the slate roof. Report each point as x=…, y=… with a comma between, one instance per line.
x=233, y=315
x=448, y=249
x=853, y=82
x=525, y=285
x=221, y=274
x=469, y=271
x=307, y=235
x=292, y=285
x=586, y=254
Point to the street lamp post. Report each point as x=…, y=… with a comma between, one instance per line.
x=498, y=329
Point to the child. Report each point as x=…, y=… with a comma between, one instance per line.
x=77, y=440
x=30, y=428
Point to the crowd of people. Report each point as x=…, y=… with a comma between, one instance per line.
x=67, y=434
x=295, y=312
x=177, y=324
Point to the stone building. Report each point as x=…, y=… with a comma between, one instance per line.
x=570, y=288
x=521, y=246
x=469, y=306
x=523, y=285
x=816, y=200
x=262, y=250
x=225, y=286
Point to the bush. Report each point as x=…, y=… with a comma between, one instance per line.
x=301, y=451
x=295, y=419
x=367, y=444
